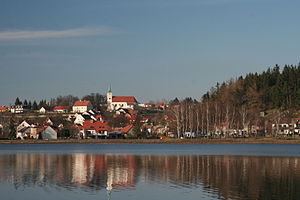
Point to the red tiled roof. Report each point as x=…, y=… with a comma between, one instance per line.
x=60, y=108
x=98, y=126
x=128, y=99
x=126, y=129
x=81, y=103
x=3, y=108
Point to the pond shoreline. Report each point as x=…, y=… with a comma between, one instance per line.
x=161, y=141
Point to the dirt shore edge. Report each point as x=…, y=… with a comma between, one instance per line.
x=160, y=141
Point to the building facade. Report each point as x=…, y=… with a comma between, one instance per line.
x=117, y=102
x=82, y=106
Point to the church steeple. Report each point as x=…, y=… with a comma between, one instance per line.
x=109, y=98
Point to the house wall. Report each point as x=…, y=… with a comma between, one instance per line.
x=82, y=109
x=117, y=105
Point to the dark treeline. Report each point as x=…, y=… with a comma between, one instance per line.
x=251, y=102
x=96, y=99
x=269, y=90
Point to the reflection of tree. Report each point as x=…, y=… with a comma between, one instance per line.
x=232, y=177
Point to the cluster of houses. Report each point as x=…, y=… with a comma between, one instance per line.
x=88, y=122
x=43, y=130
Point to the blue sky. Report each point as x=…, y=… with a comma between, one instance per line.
x=158, y=49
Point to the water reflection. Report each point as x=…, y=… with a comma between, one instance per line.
x=226, y=177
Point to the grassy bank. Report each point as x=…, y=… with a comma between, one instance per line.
x=158, y=141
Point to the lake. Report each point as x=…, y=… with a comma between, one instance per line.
x=149, y=171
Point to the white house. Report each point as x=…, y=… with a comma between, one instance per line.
x=23, y=125
x=42, y=110
x=18, y=109
x=82, y=106
x=80, y=118
x=116, y=102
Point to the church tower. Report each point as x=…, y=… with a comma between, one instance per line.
x=109, y=99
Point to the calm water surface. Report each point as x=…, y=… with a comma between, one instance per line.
x=149, y=171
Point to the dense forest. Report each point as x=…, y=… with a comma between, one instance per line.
x=255, y=101
x=273, y=88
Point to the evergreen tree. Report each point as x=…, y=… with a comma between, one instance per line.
x=34, y=106
x=25, y=103
x=18, y=102
x=29, y=105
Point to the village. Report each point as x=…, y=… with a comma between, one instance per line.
x=123, y=117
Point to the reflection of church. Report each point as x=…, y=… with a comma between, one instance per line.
x=121, y=176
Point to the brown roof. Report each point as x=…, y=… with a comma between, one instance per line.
x=81, y=103
x=128, y=99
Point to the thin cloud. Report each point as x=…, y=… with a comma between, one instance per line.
x=79, y=32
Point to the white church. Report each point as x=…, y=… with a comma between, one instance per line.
x=116, y=102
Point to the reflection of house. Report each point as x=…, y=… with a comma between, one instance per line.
x=121, y=176
x=116, y=102
x=79, y=169
x=82, y=106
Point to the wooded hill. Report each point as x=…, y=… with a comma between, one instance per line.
x=255, y=101
x=272, y=89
